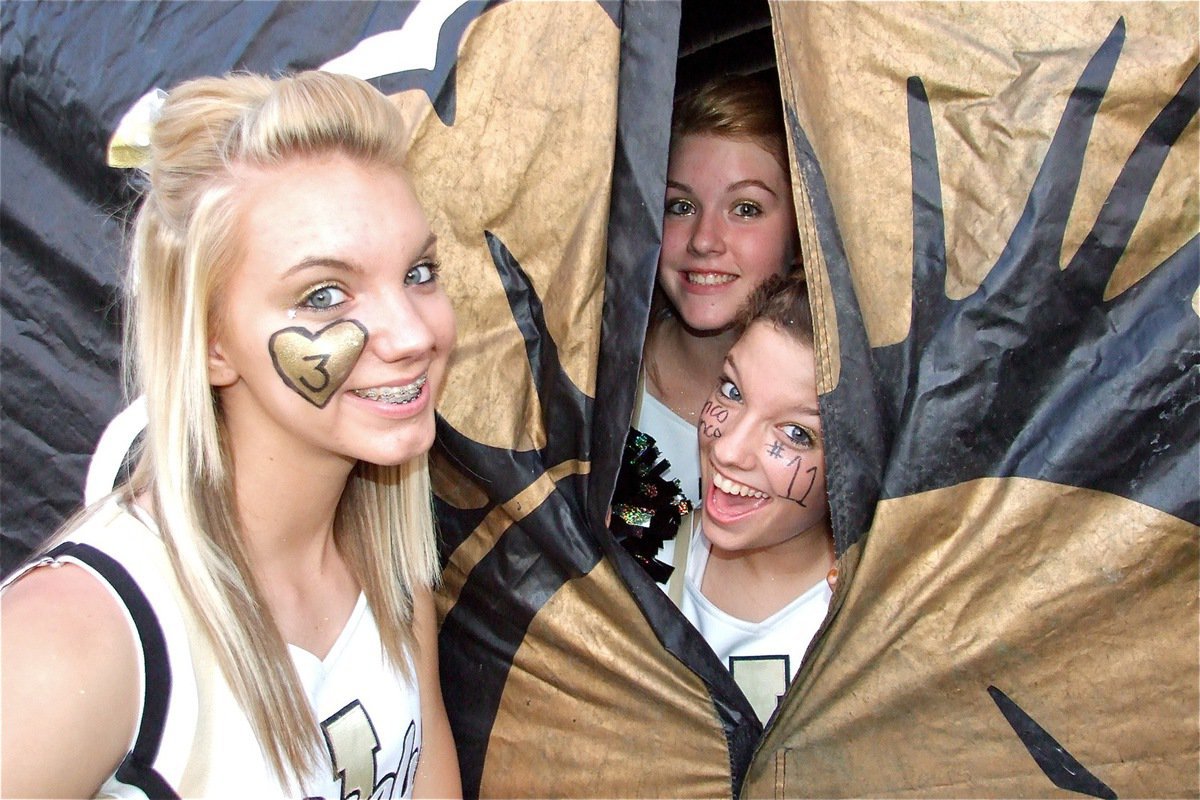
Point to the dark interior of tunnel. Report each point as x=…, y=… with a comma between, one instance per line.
x=723, y=36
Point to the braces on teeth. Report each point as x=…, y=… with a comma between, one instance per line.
x=398, y=395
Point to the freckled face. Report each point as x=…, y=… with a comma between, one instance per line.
x=762, y=462
x=332, y=333
x=728, y=225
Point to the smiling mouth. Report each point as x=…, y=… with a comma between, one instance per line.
x=709, y=278
x=727, y=501
x=735, y=488
x=396, y=395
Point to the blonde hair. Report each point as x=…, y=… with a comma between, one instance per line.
x=183, y=251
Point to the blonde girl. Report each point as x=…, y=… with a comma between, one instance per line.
x=250, y=615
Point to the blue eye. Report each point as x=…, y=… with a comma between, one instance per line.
x=747, y=209
x=678, y=207
x=729, y=390
x=324, y=297
x=424, y=272
x=799, y=435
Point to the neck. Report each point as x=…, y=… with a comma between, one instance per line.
x=285, y=495
x=708, y=346
x=808, y=551
x=286, y=509
x=754, y=584
x=683, y=365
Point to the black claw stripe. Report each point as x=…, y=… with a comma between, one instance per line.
x=992, y=385
x=1060, y=766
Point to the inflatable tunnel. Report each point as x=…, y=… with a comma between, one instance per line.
x=999, y=218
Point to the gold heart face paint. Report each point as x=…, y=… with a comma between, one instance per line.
x=315, y=365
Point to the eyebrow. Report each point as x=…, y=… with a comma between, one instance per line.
x=733, y=187
x=729, y=360
x=340, y=264
x=323, y=262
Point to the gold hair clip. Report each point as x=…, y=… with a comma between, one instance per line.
x=129, y=147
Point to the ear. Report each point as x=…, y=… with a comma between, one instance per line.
x=221, y=371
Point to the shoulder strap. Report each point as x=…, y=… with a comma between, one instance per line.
x=138, y=767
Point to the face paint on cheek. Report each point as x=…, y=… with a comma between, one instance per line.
x=797, y=474
x=711, y=418
x=315, y=365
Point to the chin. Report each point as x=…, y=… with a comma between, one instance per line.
x=718, y=536
x=707, y=321
x=402, y=450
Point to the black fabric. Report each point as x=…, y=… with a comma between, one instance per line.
x=533, y=559
x=1005, y=382
x=1060, y=766
x=854, y=416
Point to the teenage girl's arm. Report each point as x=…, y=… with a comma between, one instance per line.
x=68, y=684
x=437, y=770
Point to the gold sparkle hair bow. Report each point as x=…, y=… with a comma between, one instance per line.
x=129, y=147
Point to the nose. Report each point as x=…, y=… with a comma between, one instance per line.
x=399, y=330
x=707, y=234
x=737, y=446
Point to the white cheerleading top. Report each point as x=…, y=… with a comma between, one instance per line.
x=676, y=440
x=192, y=738
x=763, y=657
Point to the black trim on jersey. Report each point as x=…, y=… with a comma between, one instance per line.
x=138, y=767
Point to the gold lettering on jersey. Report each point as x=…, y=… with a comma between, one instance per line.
x=354, y=748
x=763, y=679
x=352, y=744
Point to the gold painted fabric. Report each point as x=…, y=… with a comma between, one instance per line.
x=999, y=211
x=566, y=671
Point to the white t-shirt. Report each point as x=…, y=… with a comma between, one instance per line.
x=676, y=440
x=763, y=657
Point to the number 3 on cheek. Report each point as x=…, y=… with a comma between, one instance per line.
x=315, y=365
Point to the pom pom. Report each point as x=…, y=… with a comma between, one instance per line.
x=647, y=508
